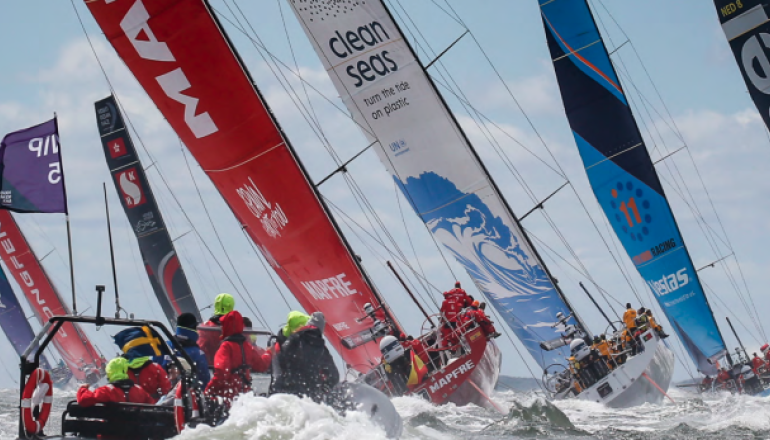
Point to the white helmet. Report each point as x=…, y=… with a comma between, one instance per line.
x=391, y=349
x=576, y=344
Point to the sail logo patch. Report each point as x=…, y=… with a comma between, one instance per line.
x=273, y=218
x=754, y=54
x=669, y=283
x=324, y=289
x=130, y=189
x=117, y=148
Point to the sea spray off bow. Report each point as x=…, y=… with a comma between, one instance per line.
x=31, y=178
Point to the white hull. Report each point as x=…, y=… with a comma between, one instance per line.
x=484, y=377
x=627, y=385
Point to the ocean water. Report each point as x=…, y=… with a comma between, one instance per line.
x=282, y=417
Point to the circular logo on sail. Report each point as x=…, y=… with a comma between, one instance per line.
x=632, y=215
x=323, y=9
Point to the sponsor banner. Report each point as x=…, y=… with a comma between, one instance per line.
x=392, y=99
x=31, y=177
x=72, y=344
x=180, y=56
x=623, y=176
x=166, y=274
x=746, y=24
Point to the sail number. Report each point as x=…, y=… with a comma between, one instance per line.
x=731, y=8
x=631, y=206
x=42, y=146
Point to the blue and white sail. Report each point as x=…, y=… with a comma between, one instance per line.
x=623, y=176
x=395, y=103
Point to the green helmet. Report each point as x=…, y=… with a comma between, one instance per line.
x=223, y=304
x=117, y=369
x=294, y=321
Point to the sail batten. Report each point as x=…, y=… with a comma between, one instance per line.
x=183, y=59
x=394, y=102
x=623, y=177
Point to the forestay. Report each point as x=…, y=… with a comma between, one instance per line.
x=623, y=176
x=183, y=60
x=746, y=24
x=166, y=275
x=390, y=96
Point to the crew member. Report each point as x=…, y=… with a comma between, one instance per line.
x=397, y=365
x=581, y=354
x=641, y=320
x=454, y=301
x=306, y=367
x=757, y=363
x=209, y=340
x=187, y=335
x=723, y=377
x=478, y=315
x=604, y=351
x=654, y=325
x=629, y=318
x=140, y=345
x=120, y=389
x=234, y=361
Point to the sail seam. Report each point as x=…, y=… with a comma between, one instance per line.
x=614, y=155
x=247, y=160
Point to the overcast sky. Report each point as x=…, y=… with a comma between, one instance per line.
x=48, y=66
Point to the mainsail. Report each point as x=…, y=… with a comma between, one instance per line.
x=387, y=91
x=746, y=24
x=13, y=322
x=72, y=344
x=180, y=55
x=623, y=176
x=160, y=259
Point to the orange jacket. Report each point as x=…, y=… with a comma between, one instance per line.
x=630, y=318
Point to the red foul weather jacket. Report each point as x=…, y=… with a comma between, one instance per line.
x=114, y=392
x=152, y=378
x=235, y=359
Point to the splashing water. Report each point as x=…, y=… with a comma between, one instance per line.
x=284, y=417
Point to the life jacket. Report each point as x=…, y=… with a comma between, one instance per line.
x=629, y=318
x=243, y=370
x=604, y=348
x=152, y=378
x=117, y=392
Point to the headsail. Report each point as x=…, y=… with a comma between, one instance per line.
x=72, y=344
x=746, y=25
x=390, y=96
x=12, y=320
x=623, y=176
x=182, y=58
x=160, y=259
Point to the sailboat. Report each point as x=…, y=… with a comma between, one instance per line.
x=385, y=87
x=164, y=270
x=187, y=67
x=76, y=350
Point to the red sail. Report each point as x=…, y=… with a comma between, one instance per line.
x=74, y=347
x=183, y=60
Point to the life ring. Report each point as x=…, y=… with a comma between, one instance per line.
x=179, y=409
x=38, y=391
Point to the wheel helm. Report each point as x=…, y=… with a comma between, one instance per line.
x=391, y=349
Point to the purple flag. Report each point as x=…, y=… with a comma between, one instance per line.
x=31, y=178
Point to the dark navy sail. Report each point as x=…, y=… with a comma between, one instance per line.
x=623, y=176
x=746, y=24
x=166, y=275
x=13, y=322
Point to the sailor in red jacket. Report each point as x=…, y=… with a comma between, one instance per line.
x=476, y=314
x=454, y=301
x=120, y=389
x=209, y=340
x=757, y=363
x=235, y=360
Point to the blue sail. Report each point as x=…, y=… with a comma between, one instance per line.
x=13, y=321
x=623, y=176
